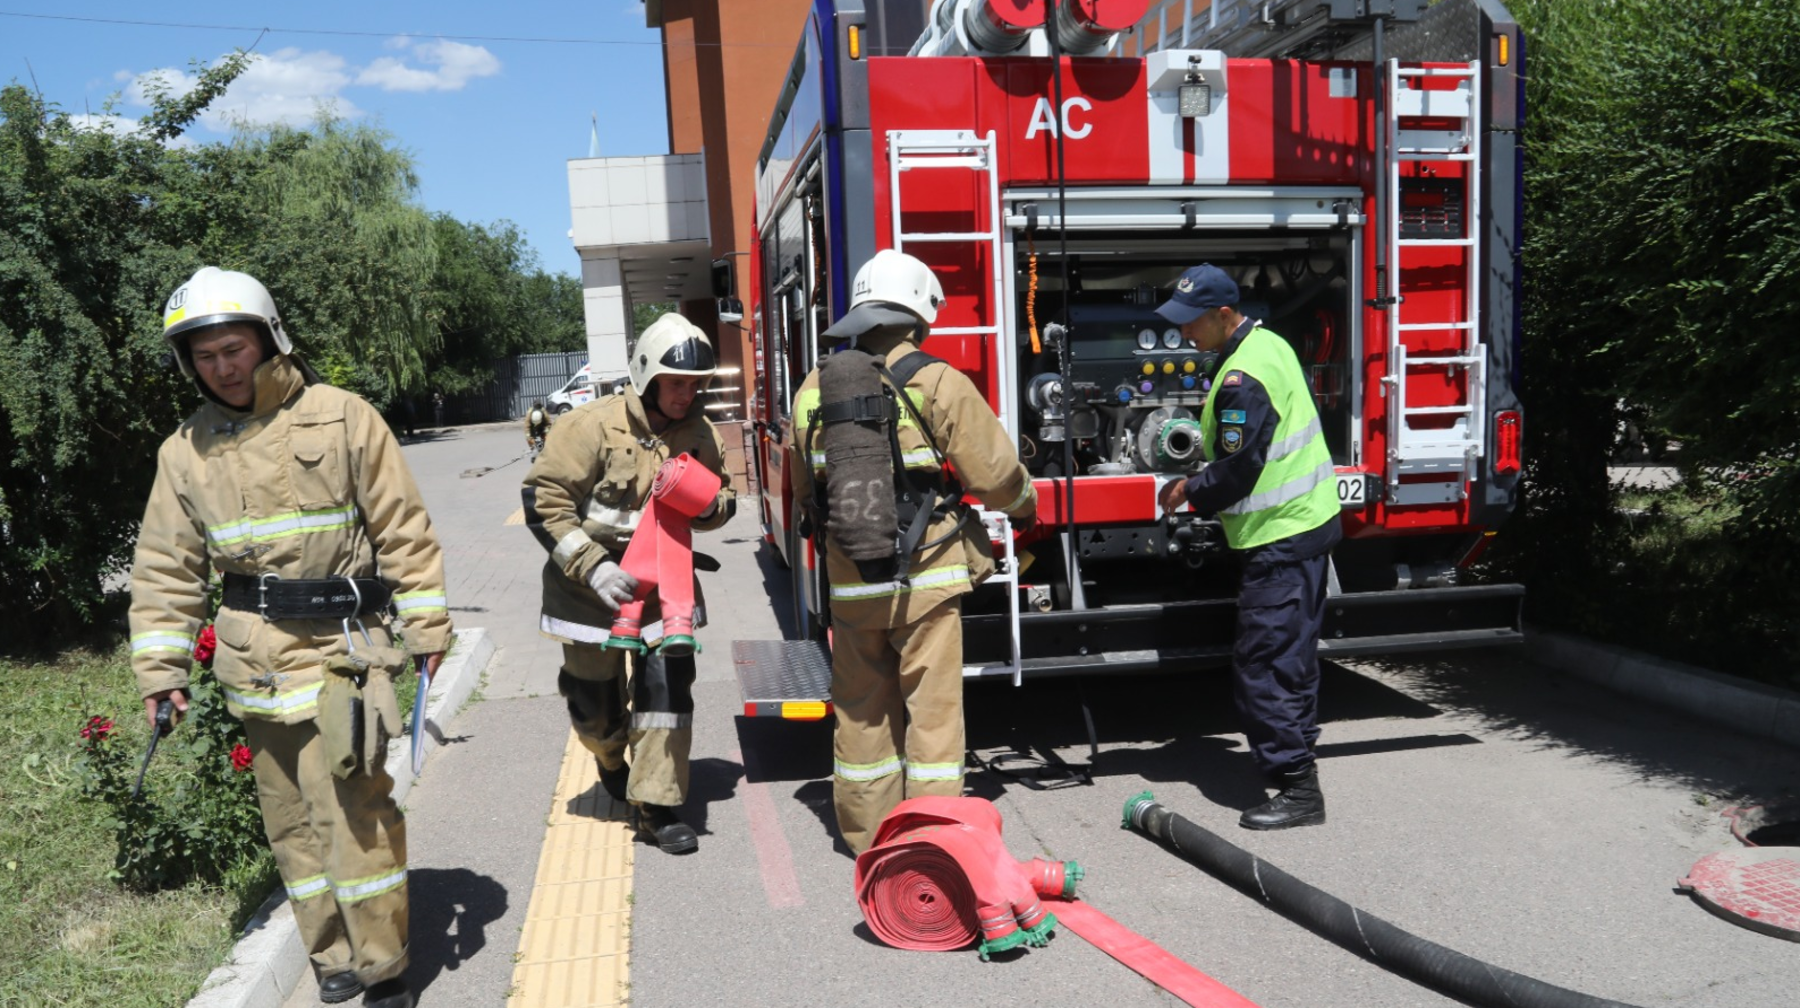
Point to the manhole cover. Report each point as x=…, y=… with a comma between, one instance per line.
x=1756, y=887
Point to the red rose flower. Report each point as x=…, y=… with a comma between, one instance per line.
x=241, y=757
x=205, y=646
x=97, y=729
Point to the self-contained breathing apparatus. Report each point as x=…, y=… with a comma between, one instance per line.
x=876, y=508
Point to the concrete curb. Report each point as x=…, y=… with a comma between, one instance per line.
x=268, y=961
x=1748, y=708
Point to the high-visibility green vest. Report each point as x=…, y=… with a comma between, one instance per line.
x=1296, y=492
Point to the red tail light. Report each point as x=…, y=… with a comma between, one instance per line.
x=1507, y=435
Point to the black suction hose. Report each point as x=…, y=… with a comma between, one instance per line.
x=1462, y=977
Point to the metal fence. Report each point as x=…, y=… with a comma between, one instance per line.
x=518, y=382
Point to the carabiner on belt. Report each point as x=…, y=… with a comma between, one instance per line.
x=357, y=616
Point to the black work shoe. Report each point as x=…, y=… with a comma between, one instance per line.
x=1299, y=802
x=615, y=782
x=389, y=994
x=658, y=824
x=339, y=987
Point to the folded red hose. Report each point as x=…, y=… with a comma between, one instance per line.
x=939, y=878
x=661, y=556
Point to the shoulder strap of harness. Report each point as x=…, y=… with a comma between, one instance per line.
x=946, y=489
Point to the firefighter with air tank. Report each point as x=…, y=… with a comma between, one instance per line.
x=583, y=498
x=295, y=492
x=878, y=426
x=1269, y=479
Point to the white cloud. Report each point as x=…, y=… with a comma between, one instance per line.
x=286, y=86
x=450, y=66
x=117, y=125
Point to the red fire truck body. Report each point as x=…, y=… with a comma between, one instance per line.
x=1368, y=208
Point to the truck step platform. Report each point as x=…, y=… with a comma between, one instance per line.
x=784, y=678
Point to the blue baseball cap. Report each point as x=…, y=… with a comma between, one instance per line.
x=1199, y=290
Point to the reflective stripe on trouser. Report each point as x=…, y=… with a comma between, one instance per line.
x=898, y=695
x=341, y=848
x=646, y=714
x=1275, y=664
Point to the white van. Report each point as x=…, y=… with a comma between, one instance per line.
x=582, y=388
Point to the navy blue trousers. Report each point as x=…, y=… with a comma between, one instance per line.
x=1275, y=663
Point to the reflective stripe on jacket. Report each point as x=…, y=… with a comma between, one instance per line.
x=1295, y=492
x=307, y=483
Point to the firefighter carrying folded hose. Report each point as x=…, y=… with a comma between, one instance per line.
x=584, y=497
x=901, y=549
x=295, y=492
x=1269, y=478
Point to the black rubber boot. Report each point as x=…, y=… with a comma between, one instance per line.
x=1298, y=802
x=615, y=782
x=339, y=987
x=389, y=994
x=658, y=824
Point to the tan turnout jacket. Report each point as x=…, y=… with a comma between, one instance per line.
x=977, y=447
x=586, y=493
x=307, y=483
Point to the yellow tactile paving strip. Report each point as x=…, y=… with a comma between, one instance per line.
x=516, y=518
x=574, y=948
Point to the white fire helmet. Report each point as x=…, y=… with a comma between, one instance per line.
x=671, y=345
x=900, y=279
x=213, y=296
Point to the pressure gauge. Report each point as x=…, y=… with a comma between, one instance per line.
x=1147, y=339
x=1172, y=339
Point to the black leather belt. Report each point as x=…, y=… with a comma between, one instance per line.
x=276, y=598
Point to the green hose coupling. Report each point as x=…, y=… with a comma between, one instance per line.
x=1135, y=804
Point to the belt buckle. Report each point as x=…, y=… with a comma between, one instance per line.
x=262, y=596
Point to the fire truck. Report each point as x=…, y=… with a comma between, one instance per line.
x=1353, y=164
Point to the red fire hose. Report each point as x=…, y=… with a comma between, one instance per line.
x=938, y=878
x=661, y=557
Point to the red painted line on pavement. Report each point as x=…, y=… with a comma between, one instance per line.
x=772, y=852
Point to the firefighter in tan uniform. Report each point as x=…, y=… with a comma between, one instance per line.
x=896, y=654
x=583, y=499
x=296, y=494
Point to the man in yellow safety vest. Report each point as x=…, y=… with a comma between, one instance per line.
x=1269, y=478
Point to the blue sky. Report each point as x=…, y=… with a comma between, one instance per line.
x=489, y=118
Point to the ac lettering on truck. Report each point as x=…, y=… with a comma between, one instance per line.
x=1042, y=120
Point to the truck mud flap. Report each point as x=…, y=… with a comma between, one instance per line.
x=783, y=678
x=1177, y=635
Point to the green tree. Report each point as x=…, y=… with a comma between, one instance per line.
x=1663, y=272
x=86, y=250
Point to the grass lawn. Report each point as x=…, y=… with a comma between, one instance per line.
x=69, y=933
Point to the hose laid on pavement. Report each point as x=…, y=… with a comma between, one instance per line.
x=1460, y=976
x=939, y=878
x=661, y=556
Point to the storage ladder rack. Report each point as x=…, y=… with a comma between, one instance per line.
x=1452, y=452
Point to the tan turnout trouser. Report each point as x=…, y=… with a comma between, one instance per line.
x=341, y=848
x=647, y=712
x=898, y=695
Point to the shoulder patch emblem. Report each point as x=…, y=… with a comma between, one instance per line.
x=1233, y=416
x=1234, y=378
x=1231, y=438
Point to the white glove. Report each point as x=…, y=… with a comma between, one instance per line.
x=711, y=509
x=612, y=584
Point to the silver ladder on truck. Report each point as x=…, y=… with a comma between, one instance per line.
x=1444, y=441
x=953, y=150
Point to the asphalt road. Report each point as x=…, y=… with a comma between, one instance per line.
x=1475, y=800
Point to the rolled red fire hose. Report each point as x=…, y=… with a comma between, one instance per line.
x=661, y=556
x=939, y=878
